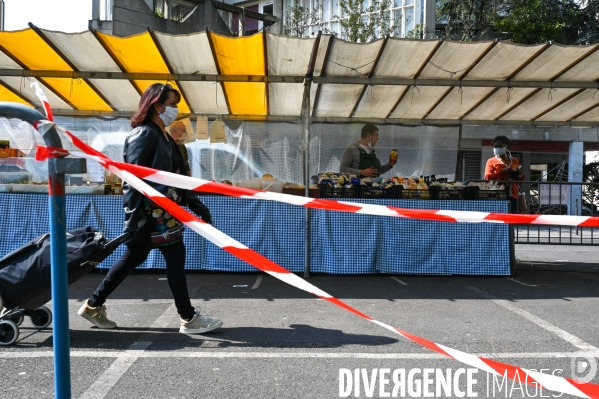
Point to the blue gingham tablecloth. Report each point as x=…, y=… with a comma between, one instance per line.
x=340, y=243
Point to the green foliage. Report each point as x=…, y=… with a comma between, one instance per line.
x=588, y=24
x=536, y=21
x=521, y=21
x=462, y=17
x=417, y=33
x=299, y=19
x=364, y=24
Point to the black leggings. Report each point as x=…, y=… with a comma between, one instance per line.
x=513, y=205
x=135, y=255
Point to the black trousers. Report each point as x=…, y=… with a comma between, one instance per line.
x=513, y=205
x=135, y=255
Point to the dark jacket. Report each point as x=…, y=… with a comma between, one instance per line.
x=147, y=146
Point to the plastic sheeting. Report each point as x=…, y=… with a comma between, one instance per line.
x=254, y=148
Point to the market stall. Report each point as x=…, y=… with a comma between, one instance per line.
x=304, y=99
x=340, y=243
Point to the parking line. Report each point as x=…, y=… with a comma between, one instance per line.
x=520, y=282
x=100, y=388
x=258, y=281
x=398, y=280
x=566, y=336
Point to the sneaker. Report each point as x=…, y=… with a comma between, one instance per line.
x=199, y=324
x=97, y=316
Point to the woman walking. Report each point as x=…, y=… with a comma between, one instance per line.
x=151, y=226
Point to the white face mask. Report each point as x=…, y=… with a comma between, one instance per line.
x=500, y=151
x=169, y=115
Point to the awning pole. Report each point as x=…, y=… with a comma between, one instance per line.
x=57, y=167
x=305, y=127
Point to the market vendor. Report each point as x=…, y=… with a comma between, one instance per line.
x=502, y=166
x=360, y=158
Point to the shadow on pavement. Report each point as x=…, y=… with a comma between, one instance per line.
x=295, y=336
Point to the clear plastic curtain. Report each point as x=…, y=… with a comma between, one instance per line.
x=256, y=148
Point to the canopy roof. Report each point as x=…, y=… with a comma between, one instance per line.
x=392, y=80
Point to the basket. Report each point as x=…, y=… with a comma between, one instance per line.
x=294, y=191
x=489, y=194
x=330, y=191
x=408, y=193
x=439, y=193
x=379, y=192
x=315, y=193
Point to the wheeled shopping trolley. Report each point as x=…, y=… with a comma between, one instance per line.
x=25, y=278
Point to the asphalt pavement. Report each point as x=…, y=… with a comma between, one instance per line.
x=280, y=342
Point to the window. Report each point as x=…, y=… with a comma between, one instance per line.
x=268, y=9
x=403, y=14
x=264, y=8
x=403, y=17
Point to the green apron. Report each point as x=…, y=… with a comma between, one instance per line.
x=369, y=160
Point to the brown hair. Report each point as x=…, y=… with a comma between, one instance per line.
x=368, y=129
x=156, y=93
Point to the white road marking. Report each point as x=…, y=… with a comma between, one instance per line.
x=520, y=282
x=100, y=388
x=258, y=281
x=398, y=280
x=566, y=336
x=287, y=355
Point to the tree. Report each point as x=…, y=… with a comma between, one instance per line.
x=364, y=24
x=460, y=18
x=588, y=26
x=521, y=21
x=536, y=21
x=299, y=18
x=467, y=20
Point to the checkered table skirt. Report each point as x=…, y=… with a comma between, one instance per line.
x=340, y=243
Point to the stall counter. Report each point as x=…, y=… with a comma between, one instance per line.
x=340, y=243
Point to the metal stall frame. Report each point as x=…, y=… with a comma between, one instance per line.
x=57, y=168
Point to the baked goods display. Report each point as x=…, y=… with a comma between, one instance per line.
x=340, y=185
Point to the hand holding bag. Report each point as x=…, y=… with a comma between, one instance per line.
x=522, y=205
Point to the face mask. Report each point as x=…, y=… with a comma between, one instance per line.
x=500, y=151
x=169, y=115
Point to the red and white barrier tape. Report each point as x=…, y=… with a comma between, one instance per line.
x=44, y=153
x=550, y=382
x=45, y=103
x=200, y=185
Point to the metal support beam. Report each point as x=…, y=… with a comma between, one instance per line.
x=96, y=10
x=305, y=129
x=575, y=165
x=242, y=22
x=540, y=84
x=324, y=119
x=58, y=248
x=305, y=116
x=248, y=13
x=430, y=18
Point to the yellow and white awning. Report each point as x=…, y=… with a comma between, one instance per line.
x=262, y=76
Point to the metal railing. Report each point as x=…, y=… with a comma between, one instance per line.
x=557, y=198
